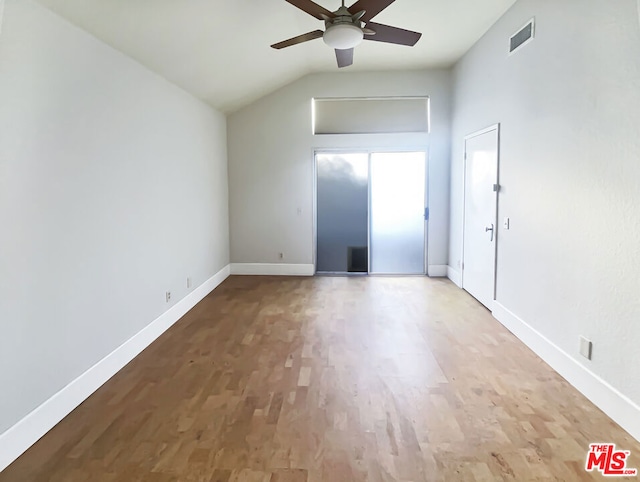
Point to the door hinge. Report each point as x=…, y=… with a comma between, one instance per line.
x=496, y=188
x=426, y=214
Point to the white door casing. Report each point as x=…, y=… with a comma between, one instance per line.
x=480, y=214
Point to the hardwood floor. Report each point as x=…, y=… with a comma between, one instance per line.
x=329, y=379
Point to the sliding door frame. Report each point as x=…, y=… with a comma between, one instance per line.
x=369, y=151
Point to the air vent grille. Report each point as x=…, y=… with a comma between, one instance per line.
x=522, y=37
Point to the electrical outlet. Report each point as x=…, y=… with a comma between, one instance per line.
x=281, y=255
x=168, y=296
x=586, y=348
x=188, y=282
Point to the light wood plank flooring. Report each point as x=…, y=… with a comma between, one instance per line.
x=329, y=379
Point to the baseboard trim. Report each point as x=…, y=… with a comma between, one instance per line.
x=616, y=405
x=455, y=276
x=437, y=270
x=275, y=269
x=17, y=439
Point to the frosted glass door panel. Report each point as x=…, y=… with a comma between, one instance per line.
x=342, y=212
x=397, y=212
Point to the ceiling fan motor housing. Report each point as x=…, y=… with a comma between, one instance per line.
x=343, y=16
x=344, y=31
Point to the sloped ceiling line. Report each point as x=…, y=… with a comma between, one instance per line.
x=219, y=50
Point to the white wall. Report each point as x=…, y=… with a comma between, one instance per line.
x=569, y=105
x=271, y=161
x=113, y=189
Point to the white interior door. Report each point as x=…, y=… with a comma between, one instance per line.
x=480, y=215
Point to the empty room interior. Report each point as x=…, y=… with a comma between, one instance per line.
x=298, y=241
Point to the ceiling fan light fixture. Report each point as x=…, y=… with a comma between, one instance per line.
x=343, y=36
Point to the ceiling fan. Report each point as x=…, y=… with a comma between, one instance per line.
x=347, y=27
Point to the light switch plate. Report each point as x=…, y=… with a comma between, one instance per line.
x=506, y=223
x=586, y=347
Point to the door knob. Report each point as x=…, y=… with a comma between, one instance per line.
x=487, y=229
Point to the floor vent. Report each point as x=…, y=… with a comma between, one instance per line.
x=522, y=37
x=357, y=259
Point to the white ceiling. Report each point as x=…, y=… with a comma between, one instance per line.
x=219, y=49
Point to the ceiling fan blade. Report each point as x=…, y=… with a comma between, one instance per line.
x=311, y=8
x=345, y=57
x=392, y=35
x=371, y=7
x=299, y=39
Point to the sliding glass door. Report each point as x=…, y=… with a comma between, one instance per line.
x=370, y=212
x=397, y=236
x=342, y=207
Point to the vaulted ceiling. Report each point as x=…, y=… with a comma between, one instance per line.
x=219, y=49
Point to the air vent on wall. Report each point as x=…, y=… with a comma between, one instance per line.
x=523, y=36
